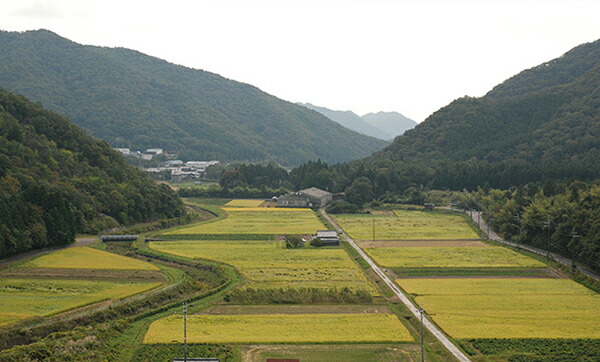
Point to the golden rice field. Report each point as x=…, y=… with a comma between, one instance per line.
x=87, y=258
x=407, y=225
x=269, y=264
x=508, y=308
x=465, y=257
x=244, y=203
x=25, y=298
x=259, y=220
x=280, y=328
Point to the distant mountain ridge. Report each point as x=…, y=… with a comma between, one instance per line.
x=382, y=125
x=133, y=100
x=543, y=123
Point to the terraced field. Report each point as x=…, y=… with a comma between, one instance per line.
x=87, y=258
x=268, y=264
x=259, y=220
x=508, y=308
x=281, y=328
x=407, y=225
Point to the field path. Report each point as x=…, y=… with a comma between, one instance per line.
x=414, y=310
x=477, y=217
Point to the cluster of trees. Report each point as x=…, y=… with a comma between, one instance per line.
x=56, y=181
x=563, y=217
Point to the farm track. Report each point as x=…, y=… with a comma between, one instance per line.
x=455, y=351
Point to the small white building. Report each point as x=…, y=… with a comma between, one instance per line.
x=124, y=151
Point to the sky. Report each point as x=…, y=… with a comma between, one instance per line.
x=412, y=57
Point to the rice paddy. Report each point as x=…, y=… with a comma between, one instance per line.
x=453, y=257
x=508, y=308
x=87, y=258
x=407, y=225
x=24, y=298
x=244, y=203
x=268, y=264
x=281, y=328
x=259, y=220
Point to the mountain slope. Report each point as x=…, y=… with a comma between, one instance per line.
x=351, y=121
x=56, y=181
x=542, y=123
x=133, y=100
x=393, y=123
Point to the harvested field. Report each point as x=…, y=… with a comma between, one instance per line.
x=508, y=308
x=87, y=274
x=244, y=203
x=334, y=352
x=297, y=309
x=87, y=258
x=268, y=264
x=259, y=220
x=420, y=243
x=281, y=328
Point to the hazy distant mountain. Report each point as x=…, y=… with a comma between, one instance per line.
x=134, y=100
x=350, y=120
x=393, y=123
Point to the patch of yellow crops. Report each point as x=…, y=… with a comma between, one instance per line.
x=259, y=220
x=280, y=328
x=270, y=264
x=266, y=209
x=509, y=308
x=244, y=203
x=467, y=257
x=23, y=298
x=407, y=225
x=87, y=258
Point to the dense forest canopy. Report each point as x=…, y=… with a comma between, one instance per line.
x=133, y=100
x=56, y=181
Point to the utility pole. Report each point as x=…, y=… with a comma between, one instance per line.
x=185, y=331
x=518, y=220
x=574, y=236
x=547, y=226
x=422, y=337
x=373, y=218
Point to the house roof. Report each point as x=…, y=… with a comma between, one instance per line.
x=326, y=233
x=315, y=192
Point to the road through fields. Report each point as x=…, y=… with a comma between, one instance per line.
x=414, y=310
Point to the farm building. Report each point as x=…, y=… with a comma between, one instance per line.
x=312, y=197
x=106, y=238
x=428, y=206
x=328, y=237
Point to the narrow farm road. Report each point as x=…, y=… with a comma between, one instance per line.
x=414, y=310
x=477, y=217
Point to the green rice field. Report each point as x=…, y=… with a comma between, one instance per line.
x=406, y=225
x=268, y=264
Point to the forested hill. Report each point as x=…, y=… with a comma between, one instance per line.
x=542, y=123
x=133, y=100
x=56, y=181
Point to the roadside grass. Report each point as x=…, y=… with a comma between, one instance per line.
x=256, y=220
x=268, y=264
x=245, y=203
x=41, y=297
x=281, y=328
x=508, y=308
x=453, y=257
x=87, y=258
x=406, y=225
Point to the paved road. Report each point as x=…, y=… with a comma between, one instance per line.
x=477, y=217
x=414, y=310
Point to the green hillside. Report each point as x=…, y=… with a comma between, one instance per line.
x=56, y=181
x=543, y=123
x=133, y=100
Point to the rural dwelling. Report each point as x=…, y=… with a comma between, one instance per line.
x=328, y=237
x=429, y=206
x=312, y=197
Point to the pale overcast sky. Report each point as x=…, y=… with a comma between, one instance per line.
x=361, y=55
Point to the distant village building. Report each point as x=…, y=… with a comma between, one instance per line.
x=328, y=237
x=155, y=151
x=429, y=206
x=124, y=151
x=312, y=197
